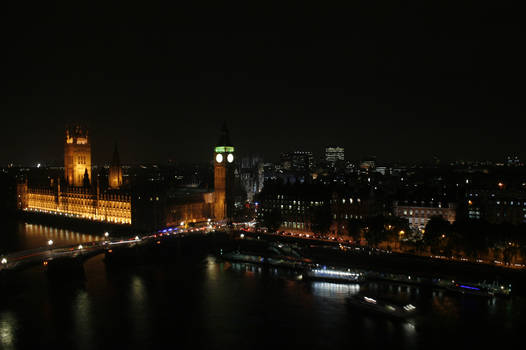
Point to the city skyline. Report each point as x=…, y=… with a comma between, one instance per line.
x=398, y=83
x=312, y=175
x=103, y=156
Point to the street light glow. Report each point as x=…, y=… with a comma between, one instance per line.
x=4, y=261
x=50, y=242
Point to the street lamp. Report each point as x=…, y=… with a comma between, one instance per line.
x=4, y=261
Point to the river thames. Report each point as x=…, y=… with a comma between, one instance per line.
x=198, y=301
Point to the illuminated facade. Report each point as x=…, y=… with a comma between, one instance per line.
x=77, y=199
x=77, y=156
x=115, y=173
x=76, y=202
x=190, y=208
x=419, y=213
x=145, y=208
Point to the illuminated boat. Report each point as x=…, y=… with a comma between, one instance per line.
x=465, y=288
x=331, y=275
x=381, y=307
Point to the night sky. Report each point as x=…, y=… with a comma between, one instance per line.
x=397, y=82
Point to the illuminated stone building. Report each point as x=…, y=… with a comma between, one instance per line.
x=75, y=202
x=77, y=198
x=115, y=173
x=145, y=206
x=418, y=213
x=77, y=156
x=188, y=206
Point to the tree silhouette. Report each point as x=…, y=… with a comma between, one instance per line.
x=355, y=228
x=272, y=219
x=320, y=220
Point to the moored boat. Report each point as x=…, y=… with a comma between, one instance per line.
x=465, y=288
x=332, y=275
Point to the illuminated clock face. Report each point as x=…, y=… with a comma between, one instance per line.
x=219, y=158
x=230, y=157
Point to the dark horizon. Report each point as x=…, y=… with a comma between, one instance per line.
x=400, y=83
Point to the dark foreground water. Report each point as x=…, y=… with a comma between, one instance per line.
x=200, y=302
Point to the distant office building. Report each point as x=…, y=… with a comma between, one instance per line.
x=334, y=154
x=418, y=213
x=513, y=161
x=296, y=202
x=297, y=160
x=497, y=208
x=368, y=164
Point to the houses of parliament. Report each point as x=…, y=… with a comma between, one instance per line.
x=77, y=195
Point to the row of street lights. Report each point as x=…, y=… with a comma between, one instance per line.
x=50, y=245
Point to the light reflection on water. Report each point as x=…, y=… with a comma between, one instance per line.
x=82, y=319
x=139, y=310
x=36, y=235
x=217, y=303
x=8, y=325
x=337, y=291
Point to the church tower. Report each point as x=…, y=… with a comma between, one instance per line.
x=77, y=156
x=223, y=177
x=115, y=174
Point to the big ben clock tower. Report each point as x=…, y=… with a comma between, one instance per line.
x=223, y=177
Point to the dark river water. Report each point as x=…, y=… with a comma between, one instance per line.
x=201, y=302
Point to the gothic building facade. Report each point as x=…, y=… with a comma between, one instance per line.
x=77, y=195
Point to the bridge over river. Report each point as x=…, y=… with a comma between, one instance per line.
x=72, y=257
